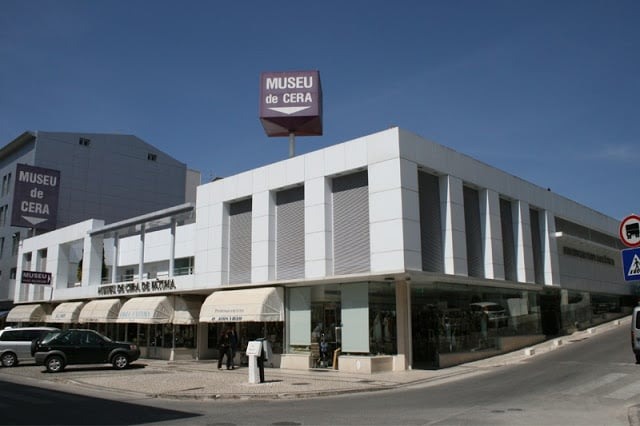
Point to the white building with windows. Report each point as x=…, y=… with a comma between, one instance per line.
x=386, y=252
x=106, y=176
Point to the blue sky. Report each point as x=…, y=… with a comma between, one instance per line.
x=546, y=90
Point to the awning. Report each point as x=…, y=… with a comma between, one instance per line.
x=261, y=304
x=159, y=310
x=67, y=312
x=147, y=310
x=29, y=313
x=100, y=311
x=186, y=311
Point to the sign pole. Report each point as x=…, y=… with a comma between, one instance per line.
x=292, y=145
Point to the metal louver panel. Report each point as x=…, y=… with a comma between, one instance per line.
x=473, y=232
x=508, y=241
x=351, y=251
x=290, y=234
x=240, y=242
x=536, y=243
x=430, y=223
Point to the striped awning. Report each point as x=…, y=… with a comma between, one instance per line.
x=29, y=313
x=263, y=304
x=67, y=312
x=100, y=311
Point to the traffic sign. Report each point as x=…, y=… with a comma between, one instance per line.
x=630, y=231
x=631, y=264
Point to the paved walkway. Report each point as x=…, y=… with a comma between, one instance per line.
x=202, y=379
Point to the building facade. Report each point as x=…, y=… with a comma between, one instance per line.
x=387, y=252
x=108, y=176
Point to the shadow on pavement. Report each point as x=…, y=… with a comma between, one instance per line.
x=28, y=405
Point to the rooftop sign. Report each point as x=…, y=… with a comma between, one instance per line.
x=35, y=197
x=291, y=103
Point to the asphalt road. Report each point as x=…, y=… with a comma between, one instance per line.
x=590, y=382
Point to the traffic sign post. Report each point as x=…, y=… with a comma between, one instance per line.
x=630, y=231
x=631, y=264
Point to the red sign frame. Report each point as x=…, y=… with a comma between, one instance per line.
x=623, y=231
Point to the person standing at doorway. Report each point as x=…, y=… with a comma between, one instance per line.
x=224, y=350
x=233, y=344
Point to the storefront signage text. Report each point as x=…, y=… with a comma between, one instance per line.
x=149, y=286
x=588, y=256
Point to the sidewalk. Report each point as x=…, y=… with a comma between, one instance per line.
x=202, y=379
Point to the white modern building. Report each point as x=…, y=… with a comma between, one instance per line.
x=389, y=251
x=108, y=176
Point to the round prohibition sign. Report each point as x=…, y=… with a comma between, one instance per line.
x=630, y=230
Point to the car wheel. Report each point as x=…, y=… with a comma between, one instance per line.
x=55, y=364
x=9, y=359
x=120, y=361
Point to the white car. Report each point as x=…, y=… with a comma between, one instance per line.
x=635, y=333
x=495, y=313
x=15, y=343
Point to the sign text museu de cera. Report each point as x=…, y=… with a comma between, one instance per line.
x=291, y=103
x=35, y=201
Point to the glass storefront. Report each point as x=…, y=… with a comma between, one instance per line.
x=247, y=331
x=356, y=318
x=449, y=320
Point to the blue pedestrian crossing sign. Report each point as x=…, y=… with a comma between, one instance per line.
x=631, y=264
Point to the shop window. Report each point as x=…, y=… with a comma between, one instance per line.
x=382, y=319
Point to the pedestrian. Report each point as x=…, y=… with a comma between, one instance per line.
x=233, y=344
x=224, y=350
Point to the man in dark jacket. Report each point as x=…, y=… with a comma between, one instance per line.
x=224, y=349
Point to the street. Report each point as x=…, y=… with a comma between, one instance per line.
x=588, y=382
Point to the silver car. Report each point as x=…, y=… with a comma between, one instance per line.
x=15, y=343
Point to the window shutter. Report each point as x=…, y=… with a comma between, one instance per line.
x=240, y=242
x=290, y=234
x=351, y=251
x=430, y=223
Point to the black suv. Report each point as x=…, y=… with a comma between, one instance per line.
x=59, y=349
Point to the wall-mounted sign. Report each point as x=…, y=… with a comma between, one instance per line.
x=35, y=277
x=291, y=103
x=133, y=287
x=35, y=199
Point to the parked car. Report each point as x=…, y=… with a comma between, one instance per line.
x=495, y=313
x=635, y=333
x=77, y=346
x=15, y=343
